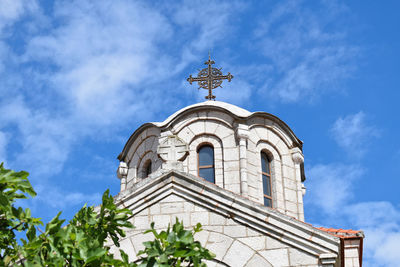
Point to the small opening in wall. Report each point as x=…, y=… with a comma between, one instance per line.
x=147, y=168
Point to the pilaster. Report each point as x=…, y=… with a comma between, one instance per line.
x=298, y=159
x=122, y=174
x=242, y=134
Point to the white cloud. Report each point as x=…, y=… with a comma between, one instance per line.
x=60, y=199
x=352, y=133
x=104, y=55
x=309, y=54
x=192, y=14
x=330, y=194
x=380, y=222
x=83, y=78
x=94, y=68
x=45, y=140
x=12, y=10
x=329, y=187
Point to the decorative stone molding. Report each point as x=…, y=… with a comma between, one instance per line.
x=242, y=231
x=278, y=199
x=173, y=150
x=328, y=259
x=303, y=189
x=122, y=173
x=239, y=213
x=298, y=159
x=297, y=156
x=146, y=157
x=218, y=156
x=242, y=133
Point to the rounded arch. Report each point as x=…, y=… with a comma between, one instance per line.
x=268, y=154
x=230, y=246
x=273, y=155
x=140, y=147
x=149, y=157
x=216, y=110
x=216, y=143
x=275, y=130
x=216, y=120
x=264, y=133
x=223, y=250
x=141, y=135
x=203, y=145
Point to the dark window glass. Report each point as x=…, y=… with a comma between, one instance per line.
x=266, y=179
x=206, y=163
x=265, y=163
x=267, y=202
x=208, y=174
x=266, y=185
x=148, y=169
x=206, y=156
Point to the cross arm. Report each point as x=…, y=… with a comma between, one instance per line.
x=196, y=79
x=229, y=77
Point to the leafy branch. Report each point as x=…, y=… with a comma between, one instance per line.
x=174, y=247
x=84, y=240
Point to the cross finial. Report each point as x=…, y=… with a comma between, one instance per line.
x=210, y=78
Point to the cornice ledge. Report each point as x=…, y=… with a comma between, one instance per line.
x=244, y=211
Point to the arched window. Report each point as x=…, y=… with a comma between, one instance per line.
x=206, y=163
x=147, y=169
x=266, y=179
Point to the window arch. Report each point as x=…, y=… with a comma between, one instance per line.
x=266, y=179
x=205, y=159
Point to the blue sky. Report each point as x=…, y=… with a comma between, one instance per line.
x=78, y=77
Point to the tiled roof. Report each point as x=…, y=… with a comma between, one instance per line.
x=342, y=233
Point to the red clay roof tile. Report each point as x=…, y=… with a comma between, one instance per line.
x=343, y=233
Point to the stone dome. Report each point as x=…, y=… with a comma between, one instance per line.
x=237, y=137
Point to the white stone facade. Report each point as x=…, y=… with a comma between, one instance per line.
x=238, y=137
x=237, y=226
x=238, y=231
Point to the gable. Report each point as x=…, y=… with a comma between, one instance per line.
x=233, y=243
x=254, y=233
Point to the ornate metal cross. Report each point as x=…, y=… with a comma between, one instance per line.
x=210, y=78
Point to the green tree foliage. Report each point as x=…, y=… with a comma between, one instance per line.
x=174, y=247
x=13, y=186
x=86, y=239
x=82, y=242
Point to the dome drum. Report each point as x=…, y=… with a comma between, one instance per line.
x=238, y=137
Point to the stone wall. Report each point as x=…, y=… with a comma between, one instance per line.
x=233, y=243
x=237, y=144
x=352, y=252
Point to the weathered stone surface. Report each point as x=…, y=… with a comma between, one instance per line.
x=298, y=258
x=235, y=230
x=277, y=257
x=255, y=242
x=218, y=125
x=236, y=226
x=258, y=261
x=238, y=254
x=219, y=244
x=234, y=243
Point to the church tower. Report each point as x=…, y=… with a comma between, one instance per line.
x=239, y=173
